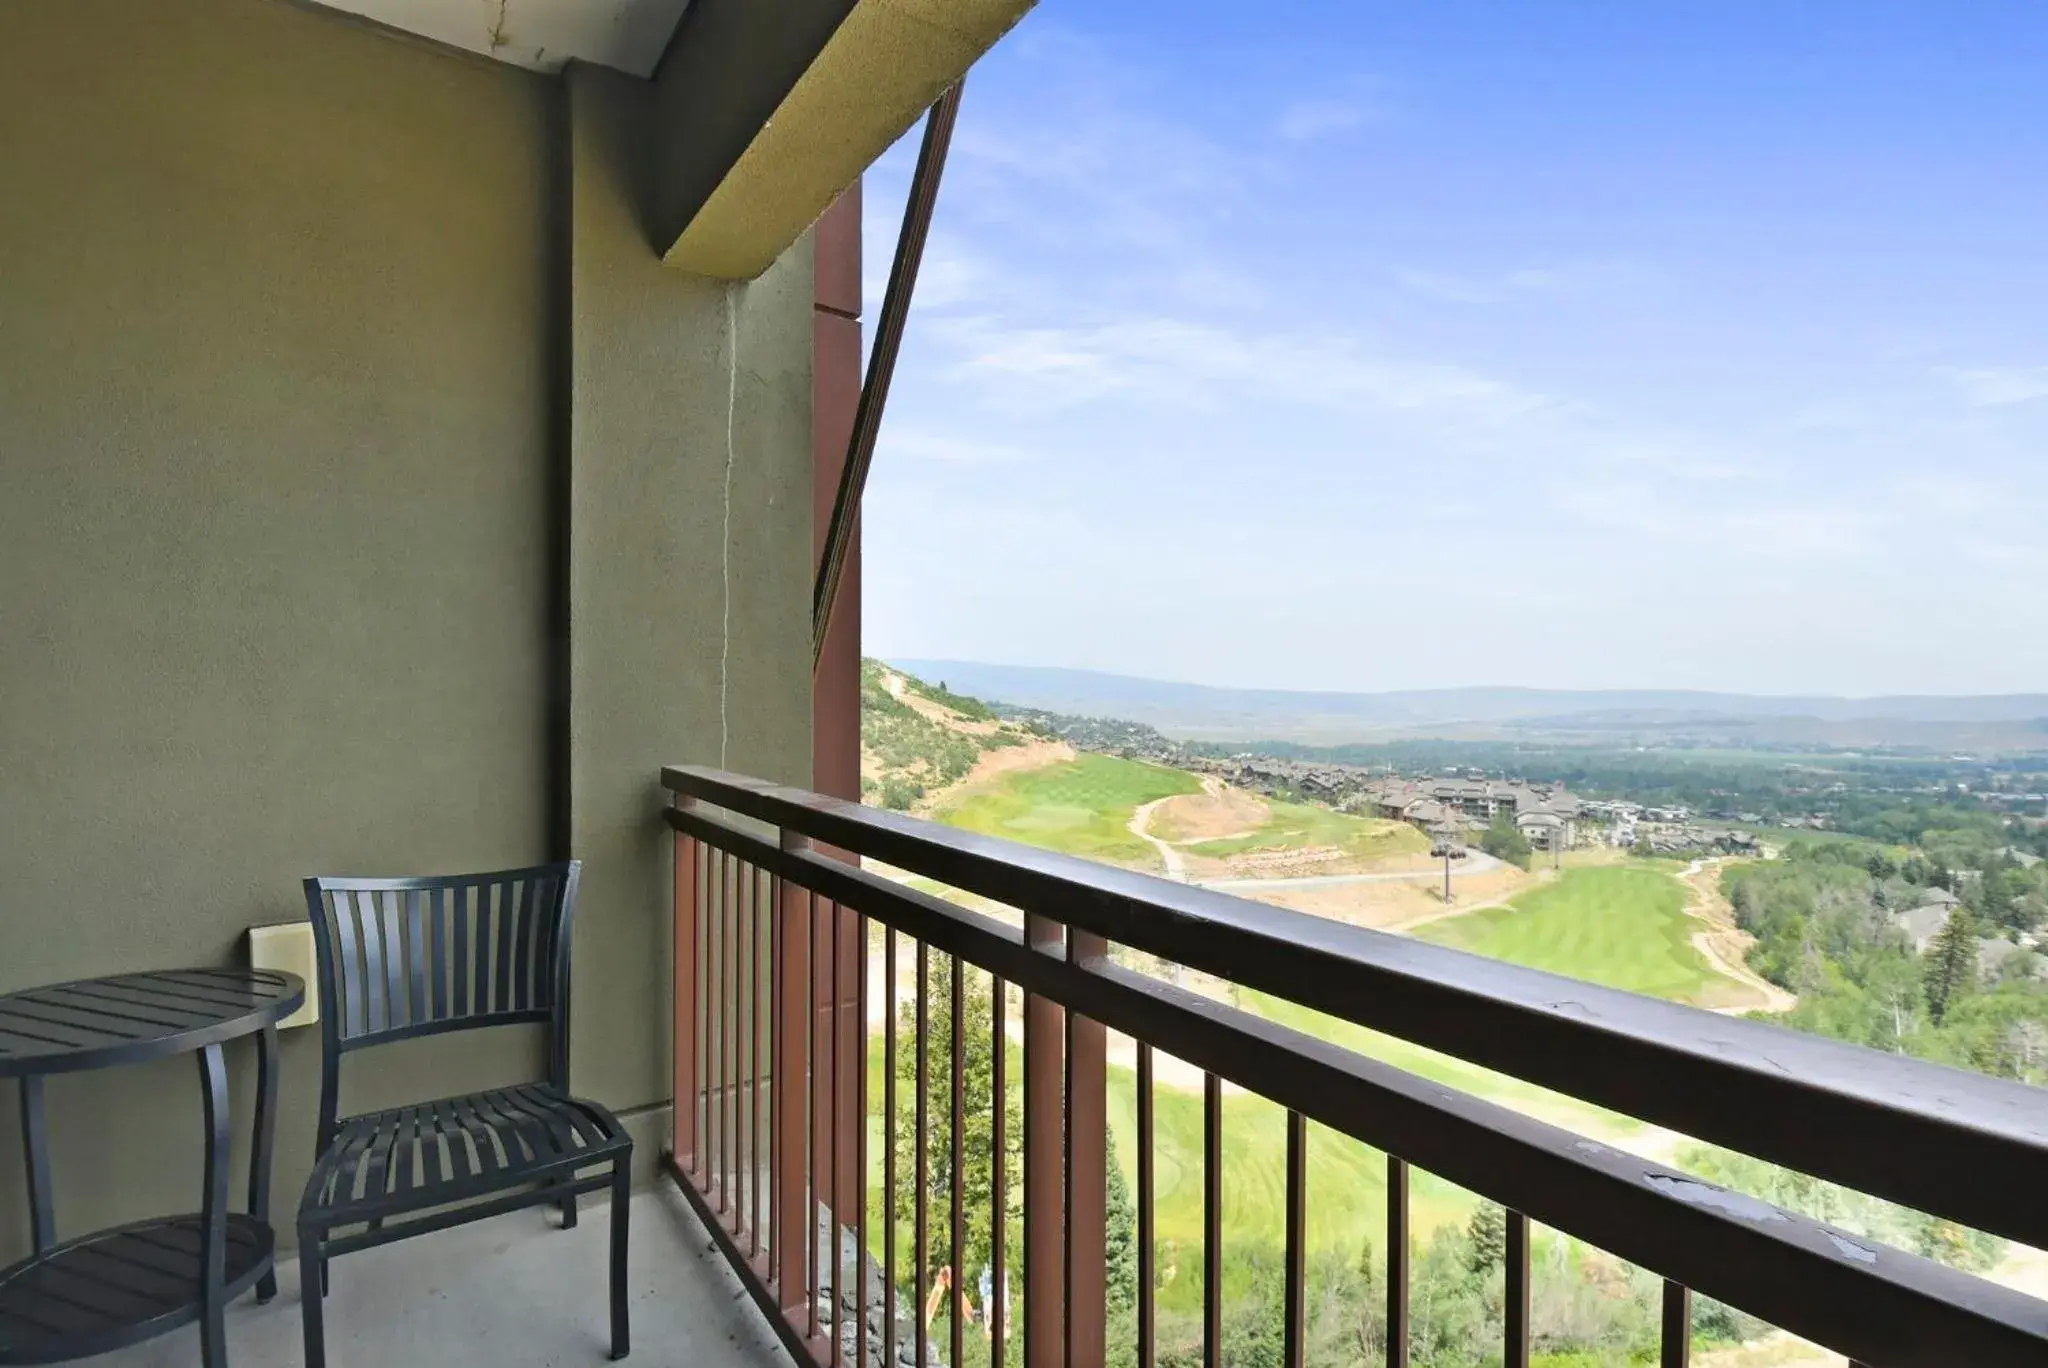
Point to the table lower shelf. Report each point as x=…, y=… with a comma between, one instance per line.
x=117, y=1287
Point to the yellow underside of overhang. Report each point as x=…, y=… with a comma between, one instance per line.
x=883, y=67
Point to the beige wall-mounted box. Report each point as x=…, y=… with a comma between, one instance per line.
x=288, y=948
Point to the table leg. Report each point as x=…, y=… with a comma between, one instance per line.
x=263, y=1144
x=35, y=1146
x=213, y=1244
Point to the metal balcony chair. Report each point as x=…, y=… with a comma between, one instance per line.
x=399, y=958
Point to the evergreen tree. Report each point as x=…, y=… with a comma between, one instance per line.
x=977, y=1135
x=1950, y=969
x=1504, y=841
x=1488, y=1233
x=977, y=1140
x=1120, y=1254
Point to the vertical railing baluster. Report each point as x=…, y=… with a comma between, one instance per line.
x=683, y=1047
x=715, y=1044
x=732, y=1041
x=1087, y=1169
x=921, y=1161
x=706, y=973
x=814, y=1115
x=956, y=1156
x=729, y=1198
x=1044, y=1226
x=889, y=951
x=860, y=1145
x=1677, y=1337
x=1397, y=1262
x=1148, y=1276
x=1212, y=1221
x=1517, y=1348
x=776, y=1083
x=1294, y=1294
x=744, y=1004
x=999, y=1176
x=761, y=997
x=835, y=1120
x=789, y=1113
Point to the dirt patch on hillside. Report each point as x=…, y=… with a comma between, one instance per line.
x=1399, y=905
x=1029, y=755
x=939, y=712
x=1726, y=946
x=1219, y=812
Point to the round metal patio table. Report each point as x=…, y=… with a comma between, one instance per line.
x=98, y=1292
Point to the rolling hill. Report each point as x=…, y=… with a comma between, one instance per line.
x=2007, y=721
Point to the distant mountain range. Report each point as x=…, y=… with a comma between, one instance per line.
x=2006, y=721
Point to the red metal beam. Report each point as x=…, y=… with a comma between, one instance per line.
x=874, y=394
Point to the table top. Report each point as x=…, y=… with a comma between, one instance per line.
x=127, y=1018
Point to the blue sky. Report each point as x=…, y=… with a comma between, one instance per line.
x=1370, y=345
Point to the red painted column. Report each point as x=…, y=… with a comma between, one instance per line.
x=835, y=395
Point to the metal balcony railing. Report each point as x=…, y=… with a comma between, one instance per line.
x=772, y=1041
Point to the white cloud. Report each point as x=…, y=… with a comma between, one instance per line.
x=1198, y=364
x=1773, y=529
x=1304, y=120
x=1556, y=280
x=1451, y=288
x=1999, y=386
x=919, y=444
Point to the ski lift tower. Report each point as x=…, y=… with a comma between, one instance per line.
x=1448, y=841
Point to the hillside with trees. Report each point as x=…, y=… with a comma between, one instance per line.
x=1828, y=922
x=919, y=739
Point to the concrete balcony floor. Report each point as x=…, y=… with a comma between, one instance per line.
x=515, y=1291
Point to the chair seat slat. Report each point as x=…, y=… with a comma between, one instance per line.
x=376, y=1169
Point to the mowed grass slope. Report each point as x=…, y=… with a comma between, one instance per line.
x=1622, y=926
x=1347, y=1182
x=1295, y=826
x=1083, y=807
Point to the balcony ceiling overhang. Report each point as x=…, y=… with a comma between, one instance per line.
x=763, y=110
x=629, y=35
x=843, y=80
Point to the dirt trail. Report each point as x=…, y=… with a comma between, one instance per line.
x=1725, y=944
x=1140, y=826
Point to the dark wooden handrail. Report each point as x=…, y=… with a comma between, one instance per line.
x=1942, y=1140
x=1707, y=1074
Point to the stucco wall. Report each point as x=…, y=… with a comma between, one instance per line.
x=689, y=563
x=286, y=419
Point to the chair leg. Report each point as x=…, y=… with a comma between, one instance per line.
x=622, y=1198
x=312, y=1291
x=568, y=1206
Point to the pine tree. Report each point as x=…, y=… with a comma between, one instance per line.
x=1951, y=963
x=1488, y=1233
x=1120, y=1222
x=977, y=1134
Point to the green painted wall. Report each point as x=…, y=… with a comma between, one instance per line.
x=302, y=491
x=690, y=559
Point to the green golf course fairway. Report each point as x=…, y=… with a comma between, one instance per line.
x=1082, y=807
x=1623, y=926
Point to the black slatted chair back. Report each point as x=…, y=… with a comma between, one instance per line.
x=399, y=958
